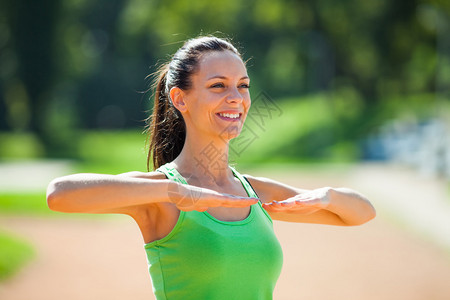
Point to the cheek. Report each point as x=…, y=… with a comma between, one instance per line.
x=198, y=103
x=247, y=103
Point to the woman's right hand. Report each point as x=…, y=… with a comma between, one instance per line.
x=189, y=197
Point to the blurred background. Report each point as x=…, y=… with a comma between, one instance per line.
x=344, y=92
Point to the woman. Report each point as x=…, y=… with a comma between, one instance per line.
x=207, y=229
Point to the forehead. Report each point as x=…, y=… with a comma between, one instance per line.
x=223, y=63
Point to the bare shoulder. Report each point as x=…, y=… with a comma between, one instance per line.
x=269, y=189
x=155, y=220
x=144, y=175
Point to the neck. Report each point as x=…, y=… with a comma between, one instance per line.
x=204, y=160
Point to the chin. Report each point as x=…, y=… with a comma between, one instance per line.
x=230, y=133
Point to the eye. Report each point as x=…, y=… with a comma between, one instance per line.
x=217, y=85
x=244, y=86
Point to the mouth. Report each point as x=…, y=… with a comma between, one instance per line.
x=232, y=117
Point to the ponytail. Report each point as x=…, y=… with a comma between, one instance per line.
x=166, y=128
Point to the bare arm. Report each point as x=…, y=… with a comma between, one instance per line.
x=332, y=206
x=100, y=193
x=97, y=193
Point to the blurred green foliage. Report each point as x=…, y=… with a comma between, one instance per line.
x=14, y=253
x=112, y=152
x=77, y=64
x=20, y=145
x=23, y=203
x=318, y=127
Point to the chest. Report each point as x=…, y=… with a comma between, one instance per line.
x=205, y=245
x=229, y=214
x=217, y=259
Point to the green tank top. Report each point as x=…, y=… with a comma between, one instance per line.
x=206, y=258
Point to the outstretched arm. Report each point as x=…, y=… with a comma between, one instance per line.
x=100, y=193
x=333, y=206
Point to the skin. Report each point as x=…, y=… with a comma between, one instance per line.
x=219, y=85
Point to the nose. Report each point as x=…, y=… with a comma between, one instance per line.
x=235, y=96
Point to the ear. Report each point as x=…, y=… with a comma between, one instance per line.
x=177, y=96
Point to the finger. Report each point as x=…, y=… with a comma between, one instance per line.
x=289, y=210
x=282, y=204
x=273, y=206
x=286, y=203
x=269, y=207
x=226, y=200
x=290, y=206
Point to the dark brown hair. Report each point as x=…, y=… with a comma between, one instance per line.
x=166, y=127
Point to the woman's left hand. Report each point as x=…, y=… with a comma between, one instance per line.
x=304, y=203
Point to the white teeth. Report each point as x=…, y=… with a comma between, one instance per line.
x=232, y=116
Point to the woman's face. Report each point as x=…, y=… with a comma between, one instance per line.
x=218, y=101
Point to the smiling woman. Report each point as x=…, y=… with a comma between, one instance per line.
x=207, y=229
x=219, y=100
x=201, y=73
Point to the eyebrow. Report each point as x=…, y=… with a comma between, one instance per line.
x=223, y=77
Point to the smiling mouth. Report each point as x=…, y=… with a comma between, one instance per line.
x=229, y=116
